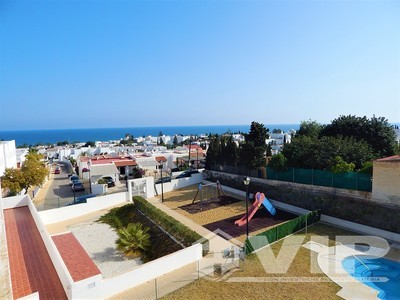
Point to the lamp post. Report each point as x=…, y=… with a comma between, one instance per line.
x=162, y=184
x=246, y=182
x=197, y=158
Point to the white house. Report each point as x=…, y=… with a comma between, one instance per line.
x=8, y=155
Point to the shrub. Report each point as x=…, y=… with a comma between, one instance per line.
x=182, y=233
x=119, y=217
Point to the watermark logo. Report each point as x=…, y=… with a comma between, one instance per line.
x=325, y=256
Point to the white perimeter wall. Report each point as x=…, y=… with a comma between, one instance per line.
x=143, y=273
x=93, y=204
x=179, y=183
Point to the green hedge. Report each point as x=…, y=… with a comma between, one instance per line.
x=182, y=233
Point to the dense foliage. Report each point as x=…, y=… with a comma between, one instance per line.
x=347, y=141
x=251, y=154
x=376, y=132
x=32, y=173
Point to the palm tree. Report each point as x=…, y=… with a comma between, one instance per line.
x=134, y=240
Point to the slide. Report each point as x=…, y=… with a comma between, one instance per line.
x=259, y=199
x=268, y=205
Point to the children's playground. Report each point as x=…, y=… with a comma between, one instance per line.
x=212, y=207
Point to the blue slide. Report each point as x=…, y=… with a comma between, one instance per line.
x=269, y=206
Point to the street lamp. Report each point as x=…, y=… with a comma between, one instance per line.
x=246, y=182
x=162, y=184
x=197, y=158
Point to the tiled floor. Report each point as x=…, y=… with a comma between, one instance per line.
x=30, y=265
x=78, y=262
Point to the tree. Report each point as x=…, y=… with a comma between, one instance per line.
x=377, y=132
x=229, y=152
x=317, y=153
x=278, y=162
x=213, y=151
x=366, y=168
x=62, y=143
x=269, y=150
x=310, y=128
x=133, y=240
x=340, y=166
x=252, y=154
x=90, y=144
x=12, y=180
x=175, y=141
x=32, y=173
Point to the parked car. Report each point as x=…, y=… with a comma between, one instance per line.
x=57, y=170
x=73, y=179
x=164, y=179
x=81, y=199
x=78, y=187
x=110, y=181
x=187, y=173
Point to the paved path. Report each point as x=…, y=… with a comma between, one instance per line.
x=30, y=265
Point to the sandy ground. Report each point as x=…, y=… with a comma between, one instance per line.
x=103, y=250
x=184, y=196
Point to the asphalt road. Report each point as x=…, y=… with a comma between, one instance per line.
x=60, y=192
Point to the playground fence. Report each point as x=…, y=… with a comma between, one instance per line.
x=278, y=232
x=345, y=180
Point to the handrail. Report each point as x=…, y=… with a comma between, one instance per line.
x=356, y=257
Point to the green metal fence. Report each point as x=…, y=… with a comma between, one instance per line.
x=278, y=232
x=346, y=180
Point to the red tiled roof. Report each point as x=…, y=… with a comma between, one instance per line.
x=30, y=265
x=124, y=163
x=390, y=158
x=101, y=161
x=194, y=147
x=78, y=262
x=160, y=158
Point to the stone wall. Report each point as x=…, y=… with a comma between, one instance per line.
x=355, y=206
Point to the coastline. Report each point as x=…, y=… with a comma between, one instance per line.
x=52, y=136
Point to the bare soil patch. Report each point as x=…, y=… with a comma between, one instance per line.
x=203, y=205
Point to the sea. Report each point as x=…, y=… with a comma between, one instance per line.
x=52, y=136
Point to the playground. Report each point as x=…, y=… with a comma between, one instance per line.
x=214, y=208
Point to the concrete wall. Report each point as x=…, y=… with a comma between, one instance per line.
x=93, y=204
x=16, y=201
x=144, y=273
x=8, y=155
x=180, y=183
x=56, y=259
x=386, y=181
x=363, y=229
x=5, y=277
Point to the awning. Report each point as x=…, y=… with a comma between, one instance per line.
x=103, y=170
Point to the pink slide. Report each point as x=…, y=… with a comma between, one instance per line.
x=259, y=199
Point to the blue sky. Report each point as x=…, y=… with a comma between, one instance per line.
x=85, y=64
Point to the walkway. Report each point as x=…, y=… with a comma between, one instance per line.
x=78, y=262
x=31, y=268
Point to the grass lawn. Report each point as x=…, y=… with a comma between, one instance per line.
x=252, y=267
